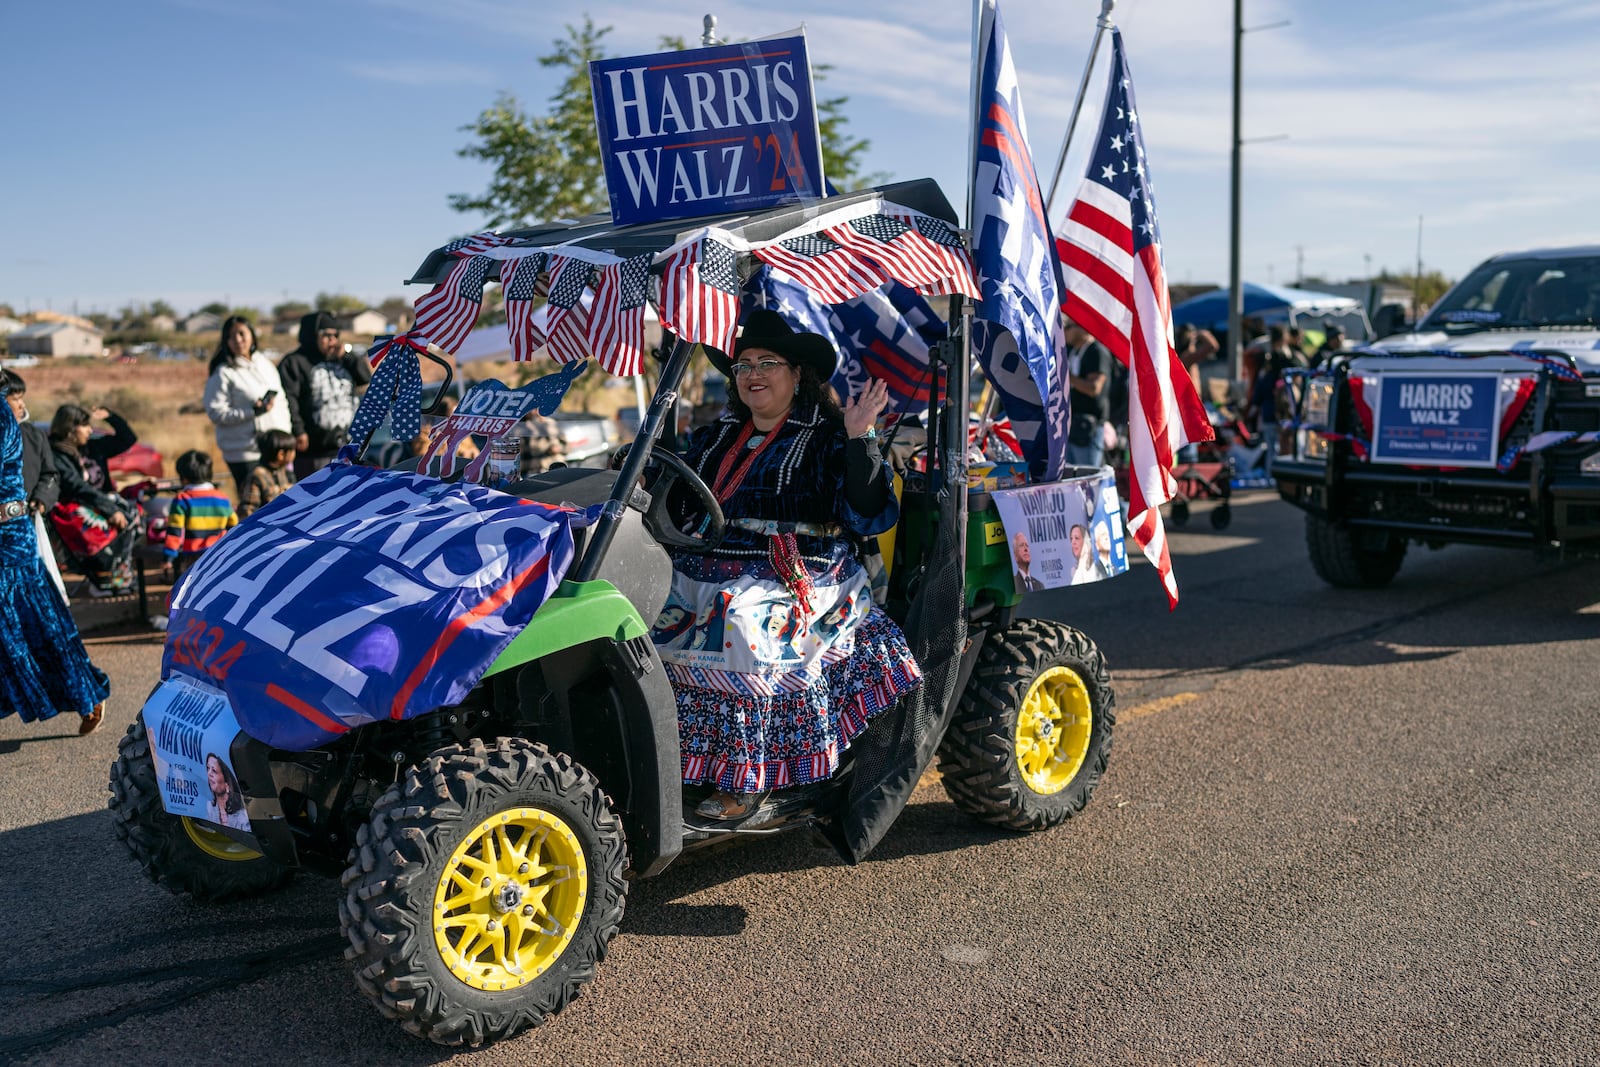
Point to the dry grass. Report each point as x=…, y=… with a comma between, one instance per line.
x=148, y=394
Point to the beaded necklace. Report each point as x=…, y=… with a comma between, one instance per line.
x=728, y=477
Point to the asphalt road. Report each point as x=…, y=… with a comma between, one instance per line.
x=1337, y=827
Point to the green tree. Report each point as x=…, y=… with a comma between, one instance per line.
x=161, y=307
x=340, y=303
x=290, y=309
x=1427, y=288
x=545, y=166
x=250, y=315
x=548, y=166
x=216, y=307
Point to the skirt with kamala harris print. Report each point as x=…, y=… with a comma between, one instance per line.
x=770, y=691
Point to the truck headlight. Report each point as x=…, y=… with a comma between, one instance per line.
x=1590, y=465
x=1319, y=397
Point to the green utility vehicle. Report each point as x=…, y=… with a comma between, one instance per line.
x=485, y=848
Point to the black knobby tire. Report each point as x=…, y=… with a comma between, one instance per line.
x=402, y=857
x=979, y=761
x=1180, y=511
x=1221, y=516
x=174, y=850
x=1340, y=559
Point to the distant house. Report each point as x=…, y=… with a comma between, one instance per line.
x=367, y=321
x=161, y=323
x=56, y=339
x=9, y=325
x=202, y=322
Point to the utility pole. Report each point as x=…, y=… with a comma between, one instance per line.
x=1299, y=264
x=1416, y=289
x=1235, y=293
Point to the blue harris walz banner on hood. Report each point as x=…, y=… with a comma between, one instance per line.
x=1437, y=420
x=362, y=595
x=728, y=128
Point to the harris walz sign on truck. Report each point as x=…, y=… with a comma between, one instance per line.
x=1481, y=426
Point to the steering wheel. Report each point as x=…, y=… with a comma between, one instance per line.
x=665, y=470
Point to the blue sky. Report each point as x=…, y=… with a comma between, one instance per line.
x=257, y=150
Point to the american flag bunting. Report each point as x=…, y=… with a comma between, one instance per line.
x=830, y=271
x=616, y=319
x=522, y=283
x=568, y=321
x=700, y=293
x=447, y=313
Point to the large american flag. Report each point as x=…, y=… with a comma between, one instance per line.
x=700, y=293
x=522, y=282
x=616, y=320
x=832, y=272
x=1017, y=269
x=1110, y=248
x=447, y=313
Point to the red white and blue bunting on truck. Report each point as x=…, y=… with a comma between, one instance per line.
x=594, y=301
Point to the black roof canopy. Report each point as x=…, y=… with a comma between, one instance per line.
x=597, y=232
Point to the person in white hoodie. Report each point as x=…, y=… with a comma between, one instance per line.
x=244, y=397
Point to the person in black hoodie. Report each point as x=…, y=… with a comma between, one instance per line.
x=321, y=383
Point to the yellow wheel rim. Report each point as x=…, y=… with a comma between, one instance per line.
x=509, y=899
x=214, y=842
x=1053, y=730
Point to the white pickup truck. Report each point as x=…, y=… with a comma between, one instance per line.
x=1481, y=427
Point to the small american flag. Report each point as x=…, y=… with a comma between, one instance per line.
x=1110, y=247
x=700, y=293
x=831, y=271
x=447, y=314
x=477, y=243
x=566, y=328
x=522, y=280
x=915, y=249
x=616, y=321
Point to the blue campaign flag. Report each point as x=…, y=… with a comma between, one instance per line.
x=884, y=334
x=1018, y=272
x=362, y=595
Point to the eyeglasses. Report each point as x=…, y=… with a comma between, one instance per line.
x=763, y=368
x=328, y=333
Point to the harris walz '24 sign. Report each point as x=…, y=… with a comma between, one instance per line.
x=728, y=128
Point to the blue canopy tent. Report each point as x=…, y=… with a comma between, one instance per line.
x=1271, y=304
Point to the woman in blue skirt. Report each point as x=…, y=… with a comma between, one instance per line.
x=44, y=668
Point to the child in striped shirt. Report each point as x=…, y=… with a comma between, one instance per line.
x=200, y=515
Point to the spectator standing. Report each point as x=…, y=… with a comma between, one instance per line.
x=95, y=523
x=1088, y=368
x=40, y=481
x=44, y=668
x=201, y=513
x=244, y=397
x=272, y=475
x=321, y=383
x=1332, y=345
x=1263, y=397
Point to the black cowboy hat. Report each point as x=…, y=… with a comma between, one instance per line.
x=767, y=329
